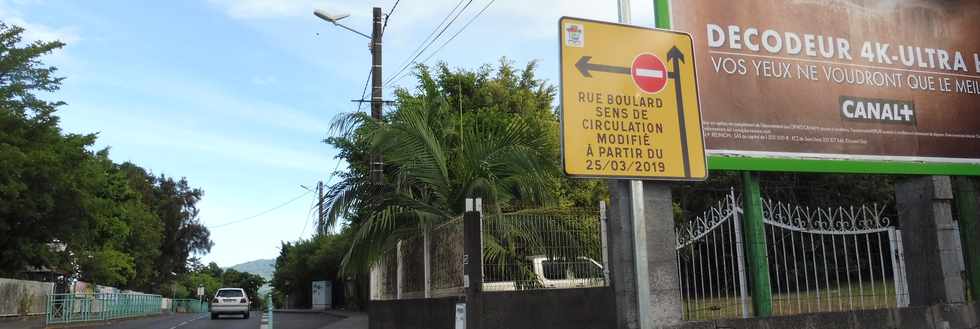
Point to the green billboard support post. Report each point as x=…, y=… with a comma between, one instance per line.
x=755, y=240
x=755, y=245
x=966, y=209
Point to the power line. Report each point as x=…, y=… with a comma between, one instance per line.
x=451, y=37
x=460, y=30
x=444, y=28
x=364, y=91
x=421, y=44
x=309, y=216
x=263, y=212
x=388, y=16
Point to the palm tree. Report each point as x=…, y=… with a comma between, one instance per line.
x=435, y=158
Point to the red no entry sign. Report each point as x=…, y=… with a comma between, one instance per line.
x=649, y=73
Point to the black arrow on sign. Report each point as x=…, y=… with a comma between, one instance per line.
x=674, y=56
x=584, y=67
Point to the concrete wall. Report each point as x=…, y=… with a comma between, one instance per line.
x=23, y=297
x=594, y=309
x=949, y=316
x=590, y=308
x=432, y=313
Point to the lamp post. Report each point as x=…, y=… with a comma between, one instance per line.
x=377, y=164
x=375, y=47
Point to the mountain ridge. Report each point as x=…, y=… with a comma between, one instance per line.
x=260, y=267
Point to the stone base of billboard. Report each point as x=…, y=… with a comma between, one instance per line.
x=933, y=255
x=622, y=274
x=665, y=296
x=944, y=316
x=665, y=293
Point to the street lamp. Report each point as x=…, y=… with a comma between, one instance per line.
x=333, y=18
x=377, y=164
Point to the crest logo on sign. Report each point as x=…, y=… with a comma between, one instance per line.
x=574, y=35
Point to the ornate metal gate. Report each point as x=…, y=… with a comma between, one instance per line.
x=820, y=260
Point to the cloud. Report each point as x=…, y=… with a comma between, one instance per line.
x=535, y=17
x=264, y=9
x=264, y=80
x=246, y=148
x=196, y=93
x=35, y=31
x=250, y=151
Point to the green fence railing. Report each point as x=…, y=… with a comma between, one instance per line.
x=269, y=307
x=188, y=306
x=76, y=308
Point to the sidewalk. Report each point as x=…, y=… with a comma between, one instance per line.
x=32, y=322
x=351, y=320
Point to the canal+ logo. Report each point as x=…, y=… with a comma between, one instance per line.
x=877, y=110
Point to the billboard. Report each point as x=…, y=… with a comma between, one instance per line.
x=838, y=79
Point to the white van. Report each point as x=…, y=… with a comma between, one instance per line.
x=580, y=272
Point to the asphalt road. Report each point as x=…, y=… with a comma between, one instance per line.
x=307, y=320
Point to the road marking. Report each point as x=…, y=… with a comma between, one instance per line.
x=265, y=321
x=186, y=322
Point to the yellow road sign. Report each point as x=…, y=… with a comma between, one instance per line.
x=629, y=102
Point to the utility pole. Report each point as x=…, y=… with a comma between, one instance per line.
x=377, y=163
x=376, y=90
x=319, y=207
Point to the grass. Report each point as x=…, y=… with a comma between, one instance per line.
x=836, y=299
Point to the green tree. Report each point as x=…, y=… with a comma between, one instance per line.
x=488, y=134
x=248, y=281
x=175, y=203
x=36, y=160
x=69, y=209
x=301, y=262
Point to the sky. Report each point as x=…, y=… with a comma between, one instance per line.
x=237, y=95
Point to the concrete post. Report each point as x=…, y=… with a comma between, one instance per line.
x=427, y=259
x=622, y=272
x=399, y=271
x=966, y=210
x=473, y=261
x=755, y=245
x=934, y=254
x=665, y=291
x=663, y=285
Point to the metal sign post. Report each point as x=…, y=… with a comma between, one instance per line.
x=639, y=227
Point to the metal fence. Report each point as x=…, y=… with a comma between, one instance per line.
x=446, y=259
x=543, y=249
x=538, y=249
x=188, y=306
x=711, y=263
x=269, y=320
x=384, y=277
x=429, y=264
x=76, y=308
x=819, y=259
x=833, y=259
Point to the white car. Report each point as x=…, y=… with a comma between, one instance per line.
x=230, y=301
